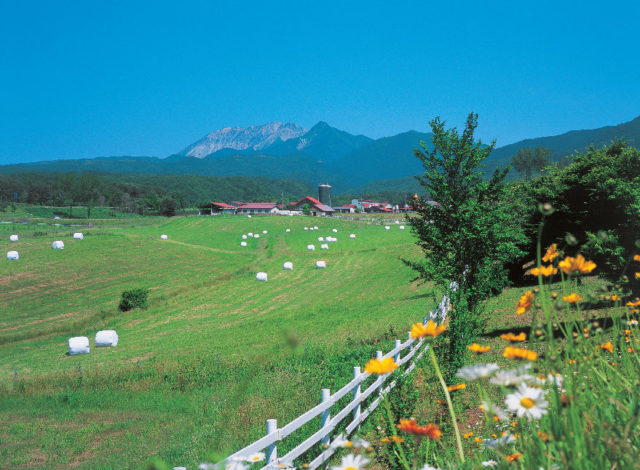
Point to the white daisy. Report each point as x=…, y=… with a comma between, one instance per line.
x=489, y=463
x=477, y=371
x=257, y=457
x=490, y=408
x=553, y=379
x=499, y=442
x=527, y=401
x=429, y=467
x=511, y=376
x=234, y=466
x=351, y=462
x=342, y=441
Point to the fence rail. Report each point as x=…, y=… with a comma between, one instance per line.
x=414, y=350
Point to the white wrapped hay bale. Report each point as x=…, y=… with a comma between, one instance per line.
x=261, y=277
x=78, y=236
x=249, y=216
x=250, y=234
x=306, y=228
x=335, y=230
x=397, y=222
x=78, y=345
x=386, y=227
x=106, y=338
x=321, y=264
x=13, y=238
x=288, y=266
x=244, y=237
x=243, y=243
x=353, y=235
x=321, y=239
x=264, y=232
x=57, y=245
x=331, y=239
x=164, y=237
x=315, y=228
x=13, y=255
x=324, y=246
x=255, y=235
x=288, y=230
x=401, y=227
x=311, y=247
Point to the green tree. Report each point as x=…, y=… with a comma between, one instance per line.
x=529, y=160
x=306, y=210
x=167, y=207
x=469, y=236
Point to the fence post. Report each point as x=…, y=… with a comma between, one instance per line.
x=396, y=358
x=409, y=338
x=378, y=355
x=272, y=450
x=356, y=394
x=326, y=415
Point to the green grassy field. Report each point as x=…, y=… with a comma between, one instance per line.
x=162, y=390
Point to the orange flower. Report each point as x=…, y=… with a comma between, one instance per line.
x=636, y=257
x=607, y=346
x=453, y=388
x=615, y=298
x=519, y=353
x=525, y=302
x=570, y=264
x=513, y=457
x=477, y=439
x=543, y=436
x=545, y=271
x=511, y=337
x=418, y=330
x=377, y=366
x=396, y=439
x=468, y=435
x=637, y=275
x=410, y=426
x=550, y=254
x=476, y=348
x=634, y=304
x=573, y=298
x=629, y=350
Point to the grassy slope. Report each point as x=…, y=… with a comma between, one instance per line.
x=204, y=300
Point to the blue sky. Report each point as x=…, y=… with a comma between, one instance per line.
x=86, y=79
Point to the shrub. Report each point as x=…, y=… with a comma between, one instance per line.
x=134, y=298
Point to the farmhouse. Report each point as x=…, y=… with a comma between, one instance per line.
x=315, y=206
x=220, y=208
x=258, y=208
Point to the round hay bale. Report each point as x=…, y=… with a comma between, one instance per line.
x=78, y=345
x=13, y=238
x=250, y=234
x=255, y=235
x=261, y=277
x=249, y=216
x=106, y=338
x=288, y=230
x=306, y=228
x=315, y=228
x=311, y=247
x=321, y=264
x=164, y=237
x=57, y=245
x=243, y=243
x=335, y=230
x=78, y=236
x=13, y=255
x=288, y=266
x=324, y=246
x=386, y=227
x=353, y=235
x=321, y=239
x=264, y=232
x=397, y=222
x=244, y=237
x=401, y=227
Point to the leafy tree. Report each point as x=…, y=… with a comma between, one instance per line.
x=306, y=210
x=167, y=207
x=469, y=236
x=528, y=160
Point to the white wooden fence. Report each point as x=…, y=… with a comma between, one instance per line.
x=269, y=443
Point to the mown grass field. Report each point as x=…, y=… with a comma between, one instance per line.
x=162, y=391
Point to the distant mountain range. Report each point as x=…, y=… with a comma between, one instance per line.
x=321, y=154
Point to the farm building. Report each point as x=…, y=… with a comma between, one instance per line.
x=346, y=209
x=315, y=206
x=218, y=208
x=258, y=208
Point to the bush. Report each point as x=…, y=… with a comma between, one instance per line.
x=135, y=298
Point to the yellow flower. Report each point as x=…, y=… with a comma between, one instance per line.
x=637, y=275
x=524, y=303
x=513, y=457
x=636, y=257
x=377, y=366
x=453, y=388
x=418, y=330
x=551, y=253
x=634, y=304
x=511, y=337
x=468, y=435
x=615, y=298
x=607, y=346
x=573, y=298
x=476, y=348
x=545, y=271
x=519, y=353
